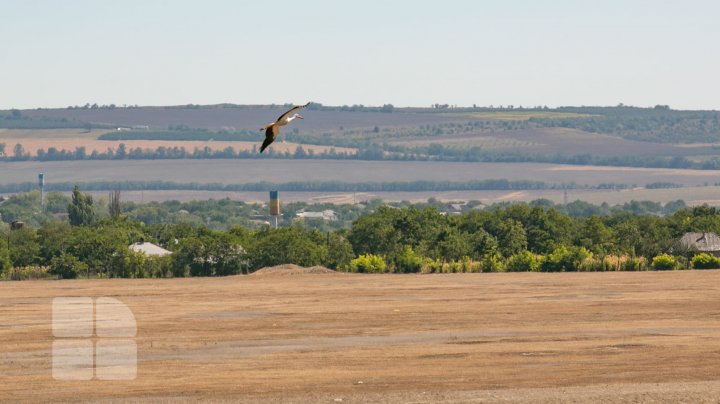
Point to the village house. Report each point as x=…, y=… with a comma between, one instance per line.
x=327, y=214
x=702, y=242
x=149, y=249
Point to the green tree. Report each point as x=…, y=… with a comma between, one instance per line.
x=452, y=245
x=67, y=266
x=56, y=202
x=340, y=252
x=5, y=263
x=54, y=238
x=595, y=236
x=563, y=259
x=81, y=210
x=375, y=234
x=627, y=237
x=209, y=253
x=523, y=261
x=101, y=248
x=114, y=206
x=408, y=261
x=288, y=245
x=24, y=247
x=511, y=237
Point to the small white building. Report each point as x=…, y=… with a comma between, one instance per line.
x=327, y=214
x=149, y=249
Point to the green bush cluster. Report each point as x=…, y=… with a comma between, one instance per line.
x=368, y=263
x=664, y=262
x=705, y=261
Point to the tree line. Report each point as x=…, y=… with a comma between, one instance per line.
x=309, y=186
x=411, y=239
x=373, y=152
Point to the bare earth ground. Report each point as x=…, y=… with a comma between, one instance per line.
x=234, y=171
x=328, y=337
x=70, y=139
x=550, y=141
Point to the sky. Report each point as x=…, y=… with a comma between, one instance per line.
x=369, y=52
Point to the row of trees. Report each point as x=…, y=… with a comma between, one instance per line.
x=324, y=186
x=224, y=213
x=518, y=237
x=122, y=152
x=432, y=152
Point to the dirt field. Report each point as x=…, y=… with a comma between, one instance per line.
x=251, y=117
x=552, y=141
x=70, y=139
x=327, y=338
x=281, y=171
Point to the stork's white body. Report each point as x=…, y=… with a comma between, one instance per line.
x=283, y=122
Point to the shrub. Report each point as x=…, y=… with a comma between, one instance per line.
x=564, y=259
x=28, y=273
x=368, y=263
x=5, y=264
x=591, y=265
x=67, y=266
x=431, y=266
x=664, y=262
x=493, y=263
x=523, y=261
x=705, y=261
x=613, y=262
x=408, y=261
x=635, y=264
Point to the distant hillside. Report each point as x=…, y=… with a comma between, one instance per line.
x=241, y=117
x=618, y=136
x=659, y=124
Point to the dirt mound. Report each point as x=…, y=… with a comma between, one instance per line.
x=291, y=269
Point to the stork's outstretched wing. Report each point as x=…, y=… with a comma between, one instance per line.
x=270, y=134
x=293, y=109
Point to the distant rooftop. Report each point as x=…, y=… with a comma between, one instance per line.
x=705, y=242
x=149, y=249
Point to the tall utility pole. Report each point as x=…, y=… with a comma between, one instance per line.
x=41, y=182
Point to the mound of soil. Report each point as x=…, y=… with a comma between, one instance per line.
x=291, y=269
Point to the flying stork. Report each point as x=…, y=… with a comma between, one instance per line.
x=273, y=129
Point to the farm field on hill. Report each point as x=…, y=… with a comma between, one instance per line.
x=527, y=337
x=249, y=117
x=70, y=139
x=533, y=134
x=350, y=171
x=551, y=141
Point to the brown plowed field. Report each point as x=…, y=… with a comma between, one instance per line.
x=70, y=139
x=528, y=337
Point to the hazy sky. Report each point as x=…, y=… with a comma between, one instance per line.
x=408, y=53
